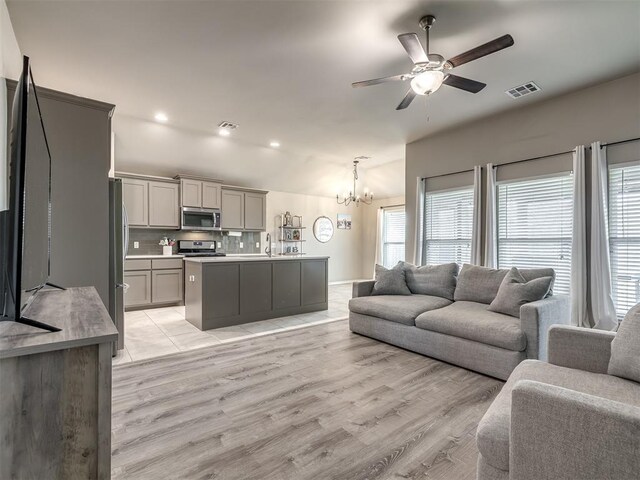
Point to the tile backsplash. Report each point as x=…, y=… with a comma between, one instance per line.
x=148, y=240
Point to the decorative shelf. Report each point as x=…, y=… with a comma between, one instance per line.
x=290, y=241
x=292, y=254
x=289, y=227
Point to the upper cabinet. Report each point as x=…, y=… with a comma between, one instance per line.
x=151, y=203
x=244, y=209
x=135, y=195
x=201, y=193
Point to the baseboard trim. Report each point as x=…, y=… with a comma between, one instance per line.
x=342, y=282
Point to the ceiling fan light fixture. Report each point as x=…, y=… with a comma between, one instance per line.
x=427, y=82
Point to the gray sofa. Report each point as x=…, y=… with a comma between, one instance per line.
x=569, y=418
x=460, y=329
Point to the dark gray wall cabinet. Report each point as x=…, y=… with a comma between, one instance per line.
x=219, y=294
x=151, y=203
x=243, y=209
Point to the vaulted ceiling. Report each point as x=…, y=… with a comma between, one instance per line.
x=282, y=70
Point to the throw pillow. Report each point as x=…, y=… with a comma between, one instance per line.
x=436, y=280
x=478, y=284
x=625, y=348
x=390, y=281
x=515, y=291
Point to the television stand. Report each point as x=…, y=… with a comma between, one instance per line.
x=37, y=324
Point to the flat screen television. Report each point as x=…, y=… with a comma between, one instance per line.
x=26, y=223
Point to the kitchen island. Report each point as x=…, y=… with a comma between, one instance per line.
x=225, y=291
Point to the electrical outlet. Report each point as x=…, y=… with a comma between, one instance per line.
x=136, y=244
x=219, y=244
x=257, y=244
x=241, y=245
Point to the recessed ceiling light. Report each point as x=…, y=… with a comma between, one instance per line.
x=161, y=117
x=225, y=132
x=274, y=143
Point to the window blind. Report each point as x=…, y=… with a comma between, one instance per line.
x=393, y=236
x=448, y=223
x=535, y=219
x=624, y=236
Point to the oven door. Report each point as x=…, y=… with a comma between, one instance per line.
x=200, y=219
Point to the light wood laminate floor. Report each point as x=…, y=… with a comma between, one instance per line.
x=314, y=403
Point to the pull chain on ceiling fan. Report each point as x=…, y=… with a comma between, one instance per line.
x=430, y=70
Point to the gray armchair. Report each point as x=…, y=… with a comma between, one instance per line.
x=566, y=419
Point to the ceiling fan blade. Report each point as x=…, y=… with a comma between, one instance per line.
x=406, y=101
x=412, y=45
x=376, y=81
x=481, y=51
x=464, y=83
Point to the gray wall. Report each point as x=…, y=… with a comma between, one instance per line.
x=79, y=135
x=605, y=112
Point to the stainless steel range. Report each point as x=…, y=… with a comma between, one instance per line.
x=198, y=248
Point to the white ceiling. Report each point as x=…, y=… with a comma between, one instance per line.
x=283, y=69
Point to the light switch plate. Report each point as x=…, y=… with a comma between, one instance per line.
x=241, y=245
x=219, y=244
x=257, y=244
x=136, y=244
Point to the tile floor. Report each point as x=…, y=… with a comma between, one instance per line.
x=161, y=331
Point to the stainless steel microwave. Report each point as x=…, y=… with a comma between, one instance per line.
x=200, y=219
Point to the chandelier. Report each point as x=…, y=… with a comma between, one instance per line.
x=352, y=196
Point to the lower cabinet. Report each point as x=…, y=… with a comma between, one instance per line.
x=153, y=282
x=139, y=292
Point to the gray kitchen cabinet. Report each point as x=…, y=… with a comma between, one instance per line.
x=153, y=282
x=232, y=209
x=166, y=286
x=314, y=282
x=164, y=202
x=139, y=292
x=200, y=193
x=286, y=284
x=191, y=192
x=211, y=195
x=219, y=293
x=135, y=195
x=255, y=211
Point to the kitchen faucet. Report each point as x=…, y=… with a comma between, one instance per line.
x=267, y=249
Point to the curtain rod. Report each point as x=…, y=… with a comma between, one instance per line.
x=533, y=158
x=610, y=144
x=392, y=206
x=447, y=174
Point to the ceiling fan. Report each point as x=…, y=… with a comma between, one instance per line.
x=430, y=70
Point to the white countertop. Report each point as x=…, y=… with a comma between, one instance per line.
x=143, y=257
x=253, y=258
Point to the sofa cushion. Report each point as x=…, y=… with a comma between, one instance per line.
x=515, y=291
x=436, y=280
x=493, y=430
x=390, y=281
x=400, y=309
x=481, y=284
x=472, y=320
x=625, y=347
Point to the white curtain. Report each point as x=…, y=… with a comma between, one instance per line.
x=603, y=309
x=417, y=248
x=379, y=233
x=491, y=232
x=476, y=239
x=579, y=312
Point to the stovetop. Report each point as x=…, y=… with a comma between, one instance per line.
x=198, y=248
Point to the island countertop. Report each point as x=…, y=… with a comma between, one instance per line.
x=253, y=258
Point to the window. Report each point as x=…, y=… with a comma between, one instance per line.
x=393, y=223
x=448, y=222
x=535, y=219
x=624, y=236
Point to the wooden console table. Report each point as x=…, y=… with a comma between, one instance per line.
x=55, y=389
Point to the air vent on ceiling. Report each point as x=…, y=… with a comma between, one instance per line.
x=522, y=90
x=228, y=125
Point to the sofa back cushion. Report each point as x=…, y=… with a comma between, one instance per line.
x=625, y=348
x=390, y=281
x=481, y=284
x=435, y=280
x=515, y=291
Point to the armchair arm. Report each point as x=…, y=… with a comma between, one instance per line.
x=363, y=289
x=580, y=348
x=537, y=317
x=561, y=434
